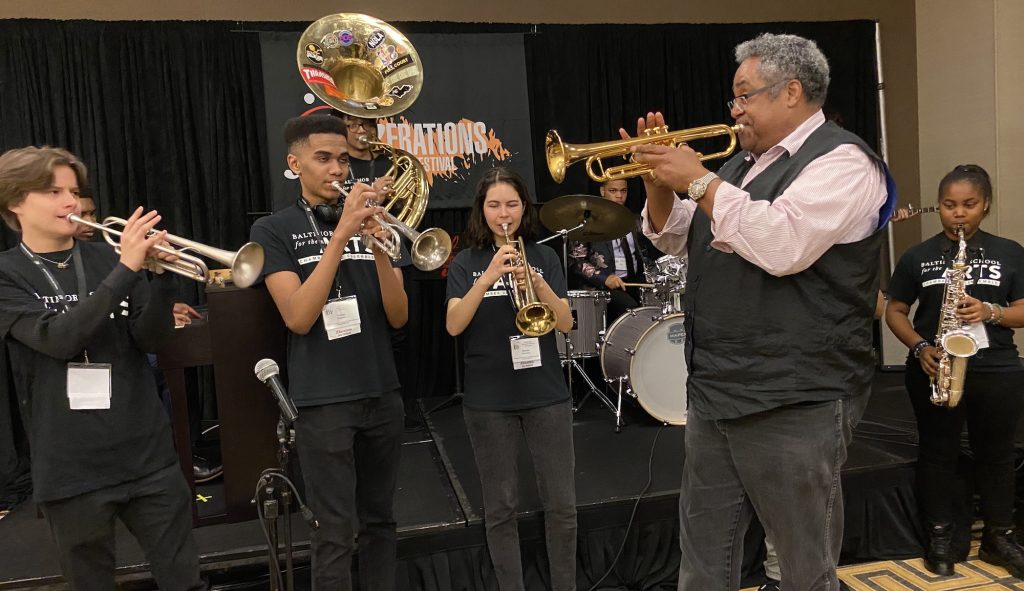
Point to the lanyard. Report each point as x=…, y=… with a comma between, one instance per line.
x=316, y=230
x=83, y=288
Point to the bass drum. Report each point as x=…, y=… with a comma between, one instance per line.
x=644, y=348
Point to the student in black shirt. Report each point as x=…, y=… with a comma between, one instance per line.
x=338, y=298
x=78, y=320
x=509, y=395
x=366, y=165
x=993, y=397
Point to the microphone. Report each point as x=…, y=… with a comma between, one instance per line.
x=270, y=374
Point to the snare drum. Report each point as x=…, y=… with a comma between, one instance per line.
x=644, y=348
x=589, y=315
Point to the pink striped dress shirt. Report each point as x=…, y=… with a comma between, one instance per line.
x=834, y=200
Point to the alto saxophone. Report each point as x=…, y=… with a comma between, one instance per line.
x=953, y=338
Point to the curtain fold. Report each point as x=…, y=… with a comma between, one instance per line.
x=167, y=115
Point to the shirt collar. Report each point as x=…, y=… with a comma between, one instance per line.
x=792, y=143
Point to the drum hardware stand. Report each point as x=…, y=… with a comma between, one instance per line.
x=273, y=498
x=571, y=363
x=619, y=381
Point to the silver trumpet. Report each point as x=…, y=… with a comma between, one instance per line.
x=245, y=263
x=430, y=248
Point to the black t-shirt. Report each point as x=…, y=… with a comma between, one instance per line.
x=322, y=371
x=79, y=451
x=366, y=171
x=996, y=275
x=491, y=381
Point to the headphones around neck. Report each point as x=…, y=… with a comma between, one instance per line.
x=325, y=212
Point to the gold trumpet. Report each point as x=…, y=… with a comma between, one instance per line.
x=534, y=318
x=430, y=248
x=246, y=263
x=561, y=155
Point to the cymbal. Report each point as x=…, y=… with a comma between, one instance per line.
x=606, y=220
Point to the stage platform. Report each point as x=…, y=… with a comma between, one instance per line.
x=440, y=509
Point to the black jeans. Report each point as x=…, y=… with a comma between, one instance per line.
x=156, y=509
x=784, y=464
x=991, y=405
x=495, y=438
x=349, y=454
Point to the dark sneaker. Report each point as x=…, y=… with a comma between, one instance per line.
x=999, y=547
x=770, y=585
x=204, y=471
x=938, y=558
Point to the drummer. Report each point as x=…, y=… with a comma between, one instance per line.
x=612, y=265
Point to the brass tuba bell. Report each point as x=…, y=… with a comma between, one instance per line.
x=364, y=67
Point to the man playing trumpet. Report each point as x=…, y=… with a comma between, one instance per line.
x=783, y=250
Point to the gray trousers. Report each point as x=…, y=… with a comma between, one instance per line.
x=784, y=464
x=156, y=509
x=495, y=437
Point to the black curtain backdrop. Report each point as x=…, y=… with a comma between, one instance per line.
x=168, y=115
x=587, y=82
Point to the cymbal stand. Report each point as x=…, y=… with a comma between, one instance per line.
x=570, y=363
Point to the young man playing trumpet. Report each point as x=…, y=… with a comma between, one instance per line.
x=339, y=297
x=78, y=320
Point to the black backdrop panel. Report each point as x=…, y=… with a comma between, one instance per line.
x=165, y=115
x=472, y=114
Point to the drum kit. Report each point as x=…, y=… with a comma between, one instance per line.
x=641, y=353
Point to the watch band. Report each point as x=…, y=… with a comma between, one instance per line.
x=699, y=187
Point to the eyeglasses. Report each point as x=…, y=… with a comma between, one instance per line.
x=355, y=126
x=742, y=100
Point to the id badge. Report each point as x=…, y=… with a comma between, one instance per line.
x=977, y=330
x=341, y=317
x=525, y=352
x=89, y=386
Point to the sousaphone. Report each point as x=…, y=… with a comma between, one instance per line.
x=362, y=66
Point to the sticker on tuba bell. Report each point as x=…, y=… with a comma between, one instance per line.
x=315, y=54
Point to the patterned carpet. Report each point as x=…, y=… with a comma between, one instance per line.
x=911, y=575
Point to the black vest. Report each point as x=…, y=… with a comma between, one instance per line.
x=756, y=341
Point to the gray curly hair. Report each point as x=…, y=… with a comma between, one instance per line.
x=785, y=57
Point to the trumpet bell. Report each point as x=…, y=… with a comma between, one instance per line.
x=554, y=151
x=536, y=319
x=431, y=249
x=360, y=65
x=246, y=264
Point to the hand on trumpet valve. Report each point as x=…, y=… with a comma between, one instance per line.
x=356, y=216
x=673, y=167
x=139, y=237
x=501, y=264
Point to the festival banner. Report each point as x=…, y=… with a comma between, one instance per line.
x=472, y=114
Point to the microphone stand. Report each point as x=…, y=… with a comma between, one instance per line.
x=274, y=502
